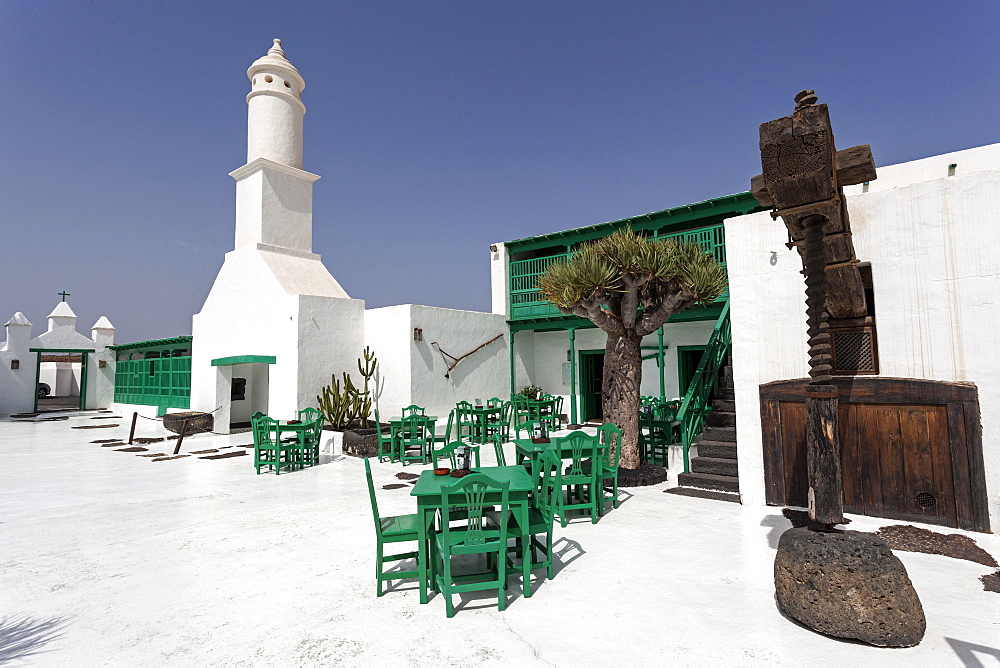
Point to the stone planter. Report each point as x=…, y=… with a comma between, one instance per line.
x=363, y=442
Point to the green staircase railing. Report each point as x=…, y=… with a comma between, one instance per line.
x=704, y=383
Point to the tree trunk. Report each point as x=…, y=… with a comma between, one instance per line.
x=622, y=376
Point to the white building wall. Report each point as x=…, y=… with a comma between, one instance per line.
x=931, y=240
x=17, y=386
x=389, y=334
x=498, y=278
x=484, y=374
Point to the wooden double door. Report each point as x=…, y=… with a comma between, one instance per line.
x=910, y=449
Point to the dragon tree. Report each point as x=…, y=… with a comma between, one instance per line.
x=629, y=286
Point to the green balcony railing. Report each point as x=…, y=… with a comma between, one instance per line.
x=527, y=302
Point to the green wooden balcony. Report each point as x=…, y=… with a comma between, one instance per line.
x=527, y=303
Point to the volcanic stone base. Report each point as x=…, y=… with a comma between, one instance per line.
x=363, y=442
x=646, y=474
x=848, y=585
x=197, y=422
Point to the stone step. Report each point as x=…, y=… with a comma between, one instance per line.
x=722, y=483
x=704, y=494
x=716, y=449
x=725, y=393
x=724, y=405
x=727, y=434
x=725, y=467
x=720, y=419
x=726, y=376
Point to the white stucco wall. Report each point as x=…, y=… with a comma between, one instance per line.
x=412, y=372
x=17, y=386
x=498, y=278
x=931, y=240
x=484, y=374
x=63, y=378
x=249, y=311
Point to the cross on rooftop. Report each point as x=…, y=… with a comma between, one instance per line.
x=64, y=294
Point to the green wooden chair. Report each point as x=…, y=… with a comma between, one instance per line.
x=465, y=421
x=267, y=449
x=582, y=486
x=449, y=450
x=386, y=445
x=610, y=437
x=541, y=517
x=446, y=437
x=498, y=449
x=477, y=536
x=308, y=451
x=394, y=529
x=412, y=439
x=413, y=409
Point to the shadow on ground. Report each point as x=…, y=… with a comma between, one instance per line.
x=21, y=637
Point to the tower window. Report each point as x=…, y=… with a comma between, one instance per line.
x=288, y=85
x=268, y=78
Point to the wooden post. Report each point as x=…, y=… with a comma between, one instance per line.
x=131, y=433
x=180, y=439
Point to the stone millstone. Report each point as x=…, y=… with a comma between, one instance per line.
x=848, y=585
x=197, y=422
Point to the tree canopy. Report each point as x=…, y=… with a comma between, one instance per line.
x=625, y=282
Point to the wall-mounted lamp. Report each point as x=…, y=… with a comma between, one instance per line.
x=418, y=334
x=569, y=356
x=493, y=248
x=951, y=168
x=15, y=364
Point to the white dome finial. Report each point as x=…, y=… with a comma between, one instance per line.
x=276, y=49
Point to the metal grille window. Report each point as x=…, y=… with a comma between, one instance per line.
x=854, y=352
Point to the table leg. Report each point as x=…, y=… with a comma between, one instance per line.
x=522, y=520
x=423, y=551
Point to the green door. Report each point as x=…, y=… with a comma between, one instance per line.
x=688, y=358
x=591, y=384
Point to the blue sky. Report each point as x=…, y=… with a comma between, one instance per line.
x=438, y=128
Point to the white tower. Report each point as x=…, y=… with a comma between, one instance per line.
x=275, y=317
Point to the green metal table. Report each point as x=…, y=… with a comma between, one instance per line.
x=428, y=494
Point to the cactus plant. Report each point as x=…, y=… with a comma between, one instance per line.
x=342, y=403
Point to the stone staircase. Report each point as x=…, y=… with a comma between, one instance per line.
x=714, y=473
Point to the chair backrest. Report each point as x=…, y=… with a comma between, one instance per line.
x=451, y=420
x=450, y=450
x=308, y=414
x=665, y=411
x=317, y=430
x=469, y=494
x=550, y=487
x=265, y=429
x=498, y=449
x=371, y=495
x=412, y=430
x=494, y=402
x=413, y=409
x=581, y=446
x=610, y=436
x=527, y=425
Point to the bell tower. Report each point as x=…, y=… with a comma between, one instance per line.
x=273, y=193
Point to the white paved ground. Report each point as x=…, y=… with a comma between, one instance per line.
x=107, y=558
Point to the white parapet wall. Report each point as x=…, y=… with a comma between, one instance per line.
x=929, y=229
